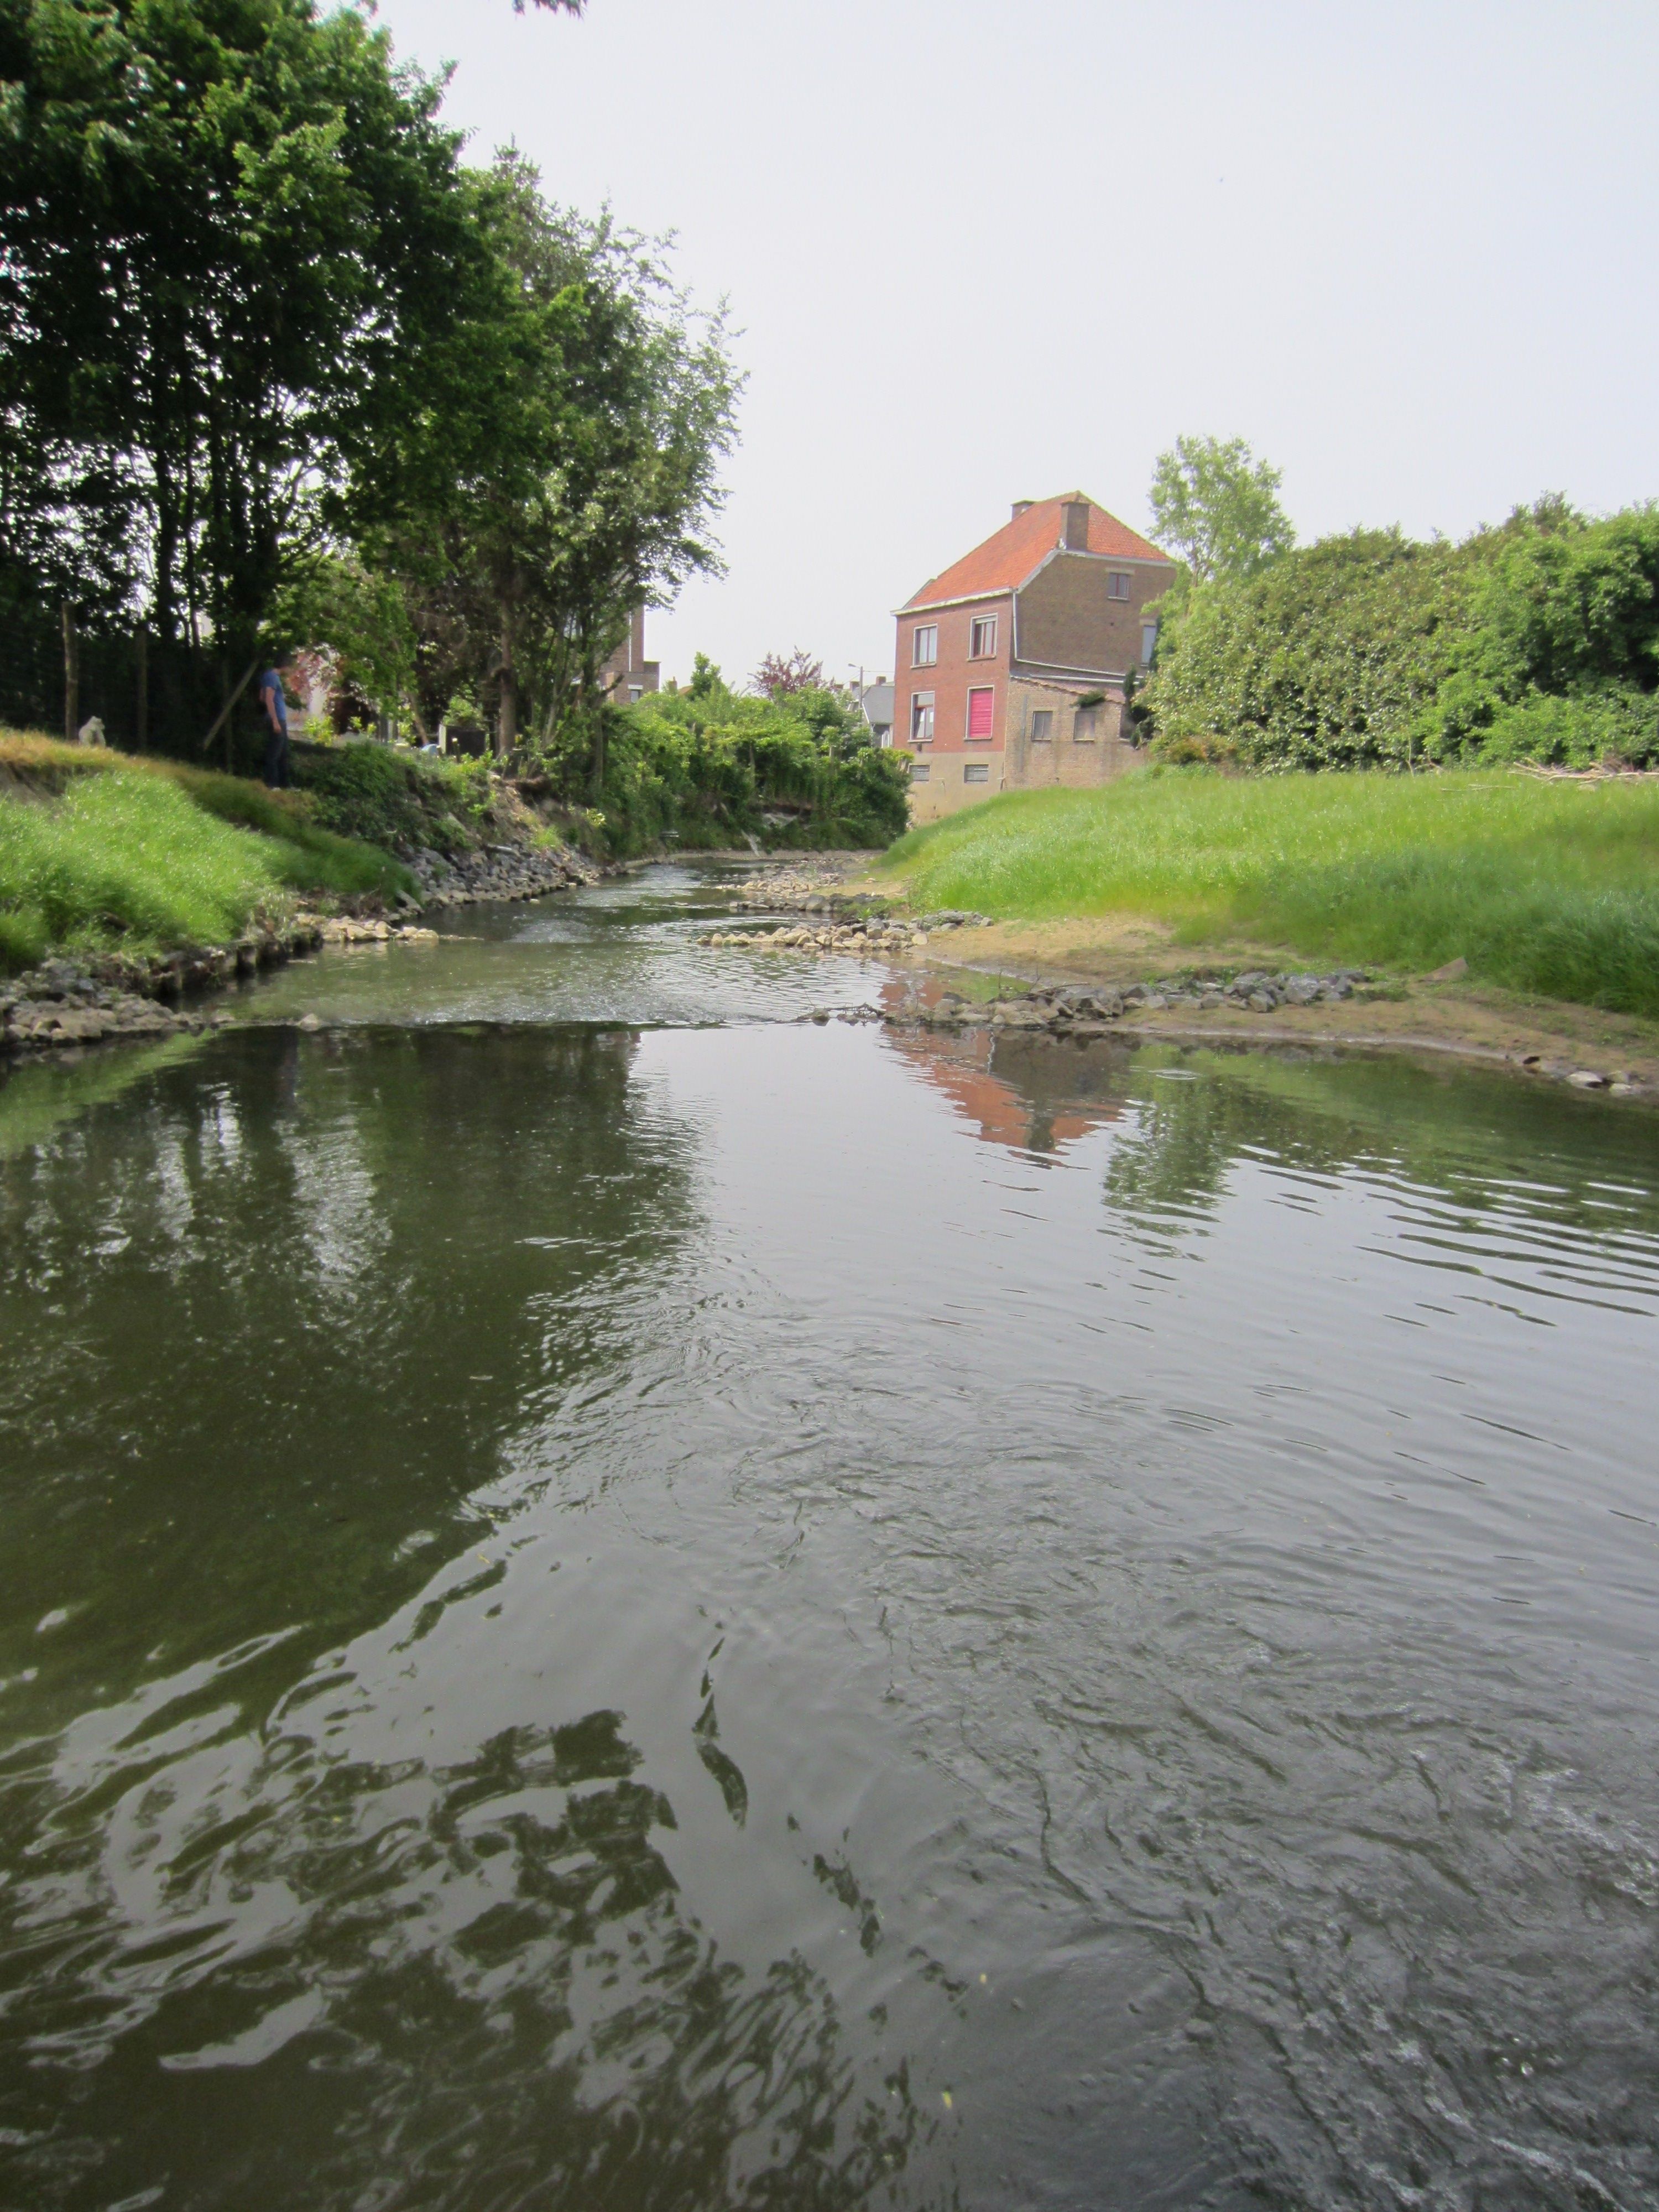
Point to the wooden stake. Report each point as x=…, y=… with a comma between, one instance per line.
x=141, y=721
x=223, y=714
x=71, y=677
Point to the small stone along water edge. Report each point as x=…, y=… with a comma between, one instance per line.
x=615, y=1598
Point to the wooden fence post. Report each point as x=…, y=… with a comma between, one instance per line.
x=71, y=677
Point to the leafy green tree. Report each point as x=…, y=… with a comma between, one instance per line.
x=566, y=468
x=1538, y=640
x=229, y=232
x=1218, y=507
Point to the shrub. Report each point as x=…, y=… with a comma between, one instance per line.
x=406, y=801
x=1370, y=650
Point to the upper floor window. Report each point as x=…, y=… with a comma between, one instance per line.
x=1117, y=583
x=924, y=651
x=1148, y=642
x=981, y=713
x=922, y=718
x=981, y=637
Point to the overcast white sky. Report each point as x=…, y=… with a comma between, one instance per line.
x=984, y=250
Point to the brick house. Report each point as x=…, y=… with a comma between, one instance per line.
x=1011, y=664
x=627, y=675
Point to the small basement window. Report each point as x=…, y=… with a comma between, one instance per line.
x=918, y=771
x=925, y=650
x=1043, y=725
x=1117, y=584
x=977, y=771
x=981, y=637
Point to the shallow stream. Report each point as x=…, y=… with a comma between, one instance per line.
x=615, y=1599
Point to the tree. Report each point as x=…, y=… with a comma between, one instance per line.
x=781, y=674
x=563, y=470
x=1218, y=507
x=229, y=236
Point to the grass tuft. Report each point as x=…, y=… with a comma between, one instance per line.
x=1547, y=888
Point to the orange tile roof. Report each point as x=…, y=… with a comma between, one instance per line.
x=1003, y=562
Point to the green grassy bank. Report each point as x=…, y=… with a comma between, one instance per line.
x=1547, y=888
x=99, y=851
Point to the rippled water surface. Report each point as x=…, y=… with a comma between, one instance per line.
x=615, y=1599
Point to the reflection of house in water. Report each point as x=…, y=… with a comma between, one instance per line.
x=1029, y=1091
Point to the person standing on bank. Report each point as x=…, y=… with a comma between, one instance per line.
x=273, y=706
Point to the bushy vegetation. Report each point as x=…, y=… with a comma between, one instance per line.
x=402, y=799
x=104, y=850
x=1545, y=887
x=1536, y=641
x=709, y=767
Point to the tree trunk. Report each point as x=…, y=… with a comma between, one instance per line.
x=71, y=677
x=507, y=717
x=141, y=671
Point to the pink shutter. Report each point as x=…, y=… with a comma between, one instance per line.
x=980, y=705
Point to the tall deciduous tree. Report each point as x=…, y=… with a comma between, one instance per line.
x=228, y=232
x=1218, y=507
x=567, y=470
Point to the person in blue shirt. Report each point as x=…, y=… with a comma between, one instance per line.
x=273, y=707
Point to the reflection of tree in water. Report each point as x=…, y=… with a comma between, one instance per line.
x=500, y=2002
x=1461, y=1134
x=269, y=1314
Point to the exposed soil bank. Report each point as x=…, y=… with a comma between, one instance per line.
x=1384, y=1009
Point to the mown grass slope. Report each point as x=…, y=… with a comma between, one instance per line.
x=99, y=849
x=1544, y=887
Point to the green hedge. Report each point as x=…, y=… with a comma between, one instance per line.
x=1537, y=641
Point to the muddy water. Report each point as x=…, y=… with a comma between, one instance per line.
x=614, y=1599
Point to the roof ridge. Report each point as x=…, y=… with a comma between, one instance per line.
x=1011, y=555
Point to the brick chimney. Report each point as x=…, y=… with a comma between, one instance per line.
x=1074, y=536
x=1020, y=508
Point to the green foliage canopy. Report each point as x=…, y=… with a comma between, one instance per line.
x=1537, y=640
x=710, y=767
x=1218, y=507
x=230, y=233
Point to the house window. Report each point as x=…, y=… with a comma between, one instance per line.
x=1117, y=584
x=982, y=710
x=922, y=718
x=977, y=771
x=1043, y=725
x=635, y=693
x=923, y=650
x=981, y=637
x=1148, y=642
x=918, y=771
x=1087, y=727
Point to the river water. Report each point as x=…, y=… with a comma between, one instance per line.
x=615, y=1599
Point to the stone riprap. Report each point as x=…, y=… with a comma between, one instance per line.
x=872, y=936
x=66, y=1001
x=1088, y=1008
x=499, y=871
